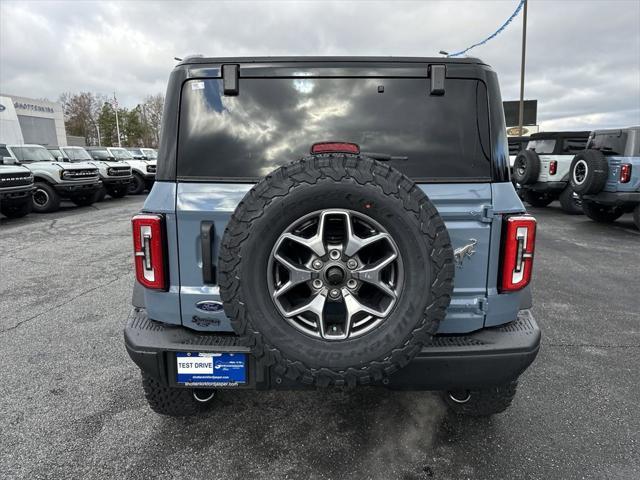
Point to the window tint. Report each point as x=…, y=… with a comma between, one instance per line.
x=77, y=154
x=100, y=154
x=515, y=145
x=56, y=153
x=4, y=152
x=121, y=153
x=135, y=151
x=274, y=121
x=32, y=154
x=572, y=146
x=149, y=153
x=542, y=146
x=612, y=143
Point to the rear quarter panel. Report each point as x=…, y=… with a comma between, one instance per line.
x=613, y=181
x=469, y=211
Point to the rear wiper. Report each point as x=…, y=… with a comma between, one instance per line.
x=384, y=157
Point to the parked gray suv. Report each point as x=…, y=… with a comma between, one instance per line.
x=320, y=222
x=607, y=174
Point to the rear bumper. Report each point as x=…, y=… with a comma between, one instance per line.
x=490, y=356
x=615, y=198
x=545, y=187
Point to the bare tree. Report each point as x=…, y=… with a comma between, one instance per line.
x=81, y=112
x=151, y=117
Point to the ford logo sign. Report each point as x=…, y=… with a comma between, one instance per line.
x=210, y=306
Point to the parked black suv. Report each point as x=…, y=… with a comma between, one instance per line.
x=332, y=222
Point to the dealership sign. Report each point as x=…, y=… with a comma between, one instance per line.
x=33, y=107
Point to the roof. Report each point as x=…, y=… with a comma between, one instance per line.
x=549, y=135
x=189, y=60
x=613, y=130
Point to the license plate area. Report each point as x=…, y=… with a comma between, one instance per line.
x=210, y=370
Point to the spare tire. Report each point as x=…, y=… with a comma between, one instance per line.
x=589, y=172
x=336, y=269
x=526, y=167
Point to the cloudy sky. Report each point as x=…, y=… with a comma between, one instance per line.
x=583, y=61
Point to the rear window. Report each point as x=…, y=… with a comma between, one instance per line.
x=515, y=145
x=613, y=143
x=573, y=145
x=542, y=146
x=276, y=120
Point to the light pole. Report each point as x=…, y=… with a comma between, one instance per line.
x=524, y=50
x=98, y=130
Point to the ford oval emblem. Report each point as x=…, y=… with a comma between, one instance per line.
x=210, y=306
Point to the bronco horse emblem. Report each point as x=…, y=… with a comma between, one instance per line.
x=466, y=251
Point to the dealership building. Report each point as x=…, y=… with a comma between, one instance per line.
x=30, y=120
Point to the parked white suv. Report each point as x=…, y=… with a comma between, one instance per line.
x=542, y=170
x=144, y=171
x=55, y=180
x=116, y=176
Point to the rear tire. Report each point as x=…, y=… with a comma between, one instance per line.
x=45, y=198
x=136, y=187
x=339, y=187
x=526, y=167
x=17, y=210
x=636, y=216
x=537, y=199
x=601, y=213
x=589, y=172
x=482, y=402
x=172, y=401
x=570, y=202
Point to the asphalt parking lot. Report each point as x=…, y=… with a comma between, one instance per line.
x=72, y=407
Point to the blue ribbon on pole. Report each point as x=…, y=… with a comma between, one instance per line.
x=493, y=35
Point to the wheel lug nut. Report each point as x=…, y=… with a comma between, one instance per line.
x=352, y=263
x=334, y=254
x=317, y=264
x=334, y=293
x=317, y=283
x=352, y=284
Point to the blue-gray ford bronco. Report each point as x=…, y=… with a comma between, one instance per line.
x=332, y=222
x=607, y=175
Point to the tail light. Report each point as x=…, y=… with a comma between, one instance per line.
x=625, y=173
x=334, y=147
x=518, y=244
x=553, y=167
x=149, y=251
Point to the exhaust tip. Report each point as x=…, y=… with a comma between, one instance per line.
x=460, y=396
x=203, y=395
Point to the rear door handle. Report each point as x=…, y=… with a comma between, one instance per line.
x=207, y=234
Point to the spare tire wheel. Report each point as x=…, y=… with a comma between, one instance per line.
x=336, y=269
x=526, y=167
x=589, y=172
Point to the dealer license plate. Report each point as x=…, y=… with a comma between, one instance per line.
x=211, y=369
